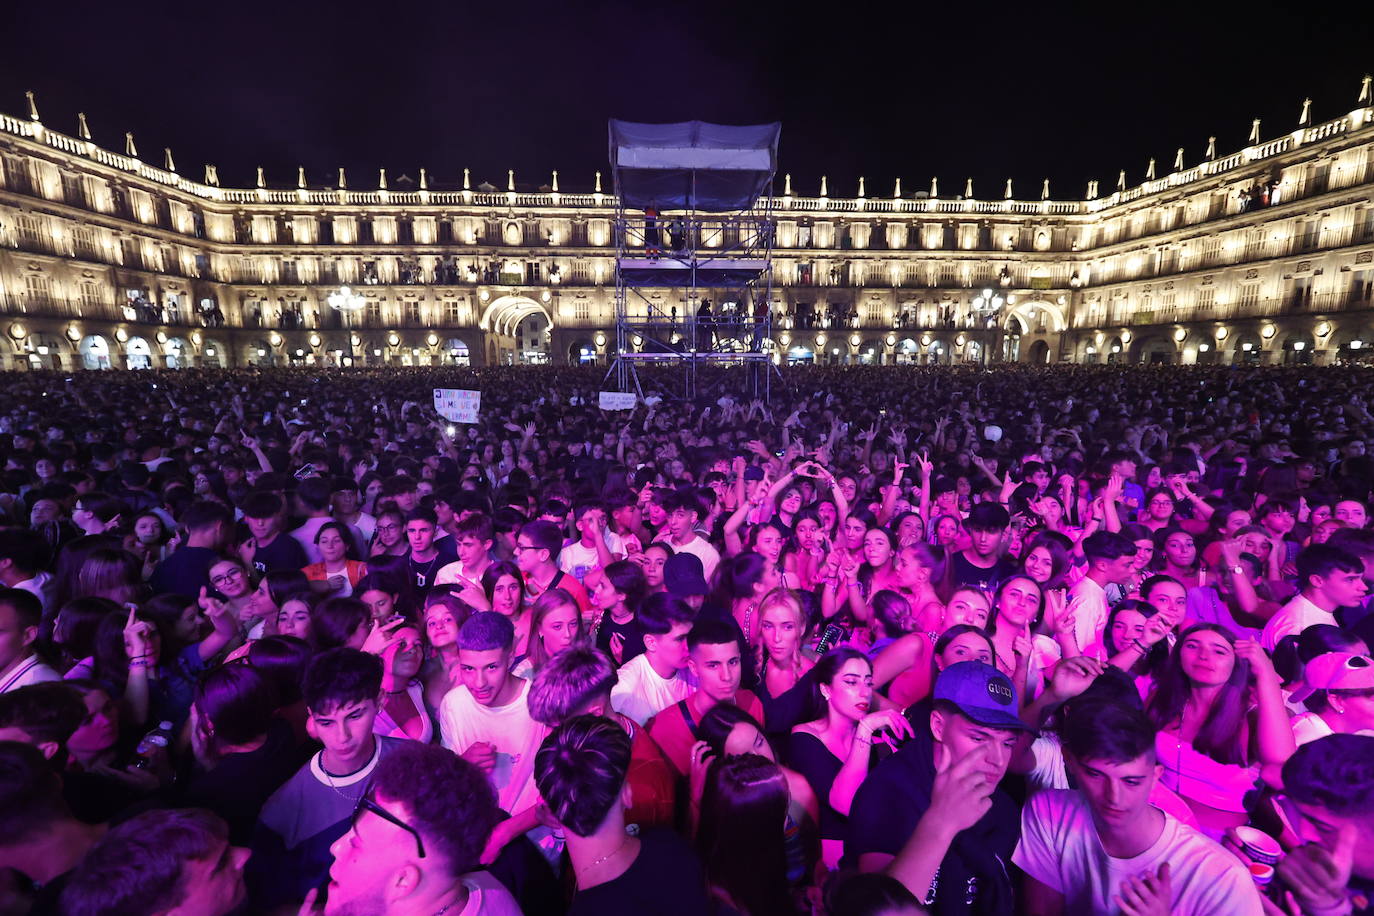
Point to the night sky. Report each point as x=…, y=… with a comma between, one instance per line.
x=1025, y=91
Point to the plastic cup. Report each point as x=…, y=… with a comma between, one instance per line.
x=1258, y=846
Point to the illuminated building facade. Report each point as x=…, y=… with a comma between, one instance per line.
x=1265, y=255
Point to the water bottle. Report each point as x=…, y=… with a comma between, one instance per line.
x=160, y=737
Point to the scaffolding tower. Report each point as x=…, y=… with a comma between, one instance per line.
x=694, y=233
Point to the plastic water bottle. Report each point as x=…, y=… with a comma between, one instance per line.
x=160, y=737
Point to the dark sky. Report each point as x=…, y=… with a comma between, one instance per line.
x=1031, y=90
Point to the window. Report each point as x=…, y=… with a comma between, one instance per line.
x=365, y=235
x=326, y=231
x=412, y=312
x=374, y=312
x=1249, y=297
x=453, y=312
x=582, y=310
x=83, y=242
x=37, y=290
x=1207, y=297
x=90, y=295
x=28, y=229
x=72, y=190
x=290, y=273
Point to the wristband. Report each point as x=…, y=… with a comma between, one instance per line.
x=138, y=663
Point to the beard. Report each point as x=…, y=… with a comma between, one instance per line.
x=368, y=903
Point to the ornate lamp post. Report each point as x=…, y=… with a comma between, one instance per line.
x=347, y=302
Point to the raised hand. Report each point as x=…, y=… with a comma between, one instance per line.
x=1149, y=894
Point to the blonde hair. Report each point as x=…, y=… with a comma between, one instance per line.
x=782, y=598
x=547, y=603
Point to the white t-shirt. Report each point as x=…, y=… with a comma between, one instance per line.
x=576, y=559
x=1060, y=849
x=702, y=549
x=463, y=722
x=487, y=896
x=641, y=694
x=1294, y=617
x=31, y=670
x=1088, y=605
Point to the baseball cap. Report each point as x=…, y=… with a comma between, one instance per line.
x=982, y=693
x=684, y=575
x=1336, y=671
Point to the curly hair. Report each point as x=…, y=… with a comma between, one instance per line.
x=449, y=801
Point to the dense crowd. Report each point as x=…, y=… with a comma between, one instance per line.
x=1053, y=640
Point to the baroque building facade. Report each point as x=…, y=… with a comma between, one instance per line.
x=1265, y=255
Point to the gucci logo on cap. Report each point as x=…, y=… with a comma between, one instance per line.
x=1000, y=690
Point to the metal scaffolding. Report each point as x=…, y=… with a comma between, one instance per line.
x=694, y=232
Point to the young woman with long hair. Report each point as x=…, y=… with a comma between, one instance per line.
x=1214, y=747
x=781, y=663
x=339, y=569
x=904, y=667
x=835, y=752
x=739, y=838
x=555, y=624
x=743, y=581
x=504, y=586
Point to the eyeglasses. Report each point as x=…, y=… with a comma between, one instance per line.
x=521, y=548
x=367, y=804
x=226, y=578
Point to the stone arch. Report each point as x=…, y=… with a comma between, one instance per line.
x=1038, y=353
x=1154, y=348
x=177, y=351
x=95, y=352
x=1056, y=322
x=139, y=353
x=456, y=352
x=871, y=352
x=582, y=352
x=504, y=313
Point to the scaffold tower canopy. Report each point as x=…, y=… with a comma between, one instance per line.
x=693, y=165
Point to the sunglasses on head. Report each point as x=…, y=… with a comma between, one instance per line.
x=367, y=803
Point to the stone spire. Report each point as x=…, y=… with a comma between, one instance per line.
x=1007, y=193
x=824, y=192
x=129, y=149
x=262, y=180
x=168, y=162
x=1045, y=190
x=598, y=182
x=1178, y=160
x=381, y=179
x=787, y=185
x=861, y=187
x=1254, y=131
x=1305, y=119
x=300, y=177
x=467, y=179
x=934, y=188
x=1366, y=95
x=1092, y=189
x=424, y=180
x=83, y=130
x=968, y=189
x=343, y=179
x=555, y=181
x=33, y=106
x=510, y=179
x=1211, y=149
x=211, y=175
x=1121, y=181
x=897, y=190
x=1150, y=170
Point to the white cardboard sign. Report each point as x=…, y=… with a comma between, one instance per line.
x=618, y=400
x=457, y=405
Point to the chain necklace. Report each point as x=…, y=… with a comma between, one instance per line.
x=610, y=855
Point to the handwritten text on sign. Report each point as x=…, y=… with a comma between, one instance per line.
x=617, y=400
x=457, y=405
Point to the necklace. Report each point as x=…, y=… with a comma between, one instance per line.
x=422, y=579
x=609, y=855
x=748, y=618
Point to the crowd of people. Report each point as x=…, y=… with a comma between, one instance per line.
x=1050, y=640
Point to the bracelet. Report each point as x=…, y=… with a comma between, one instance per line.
x=855, y=585
x=1140, y=646
x=138, y=663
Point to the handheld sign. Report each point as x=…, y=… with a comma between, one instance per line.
x=457, y=404
x=617, y=400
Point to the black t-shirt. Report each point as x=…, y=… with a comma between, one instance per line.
x=664, y=879
x=240, y=784
x=965, y=574
x=630, y=631
x=974, y=876
x=185, y=572
x=283, y=554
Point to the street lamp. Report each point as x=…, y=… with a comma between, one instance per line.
x=345, y=301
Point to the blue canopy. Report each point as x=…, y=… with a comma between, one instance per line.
x=693, y=164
